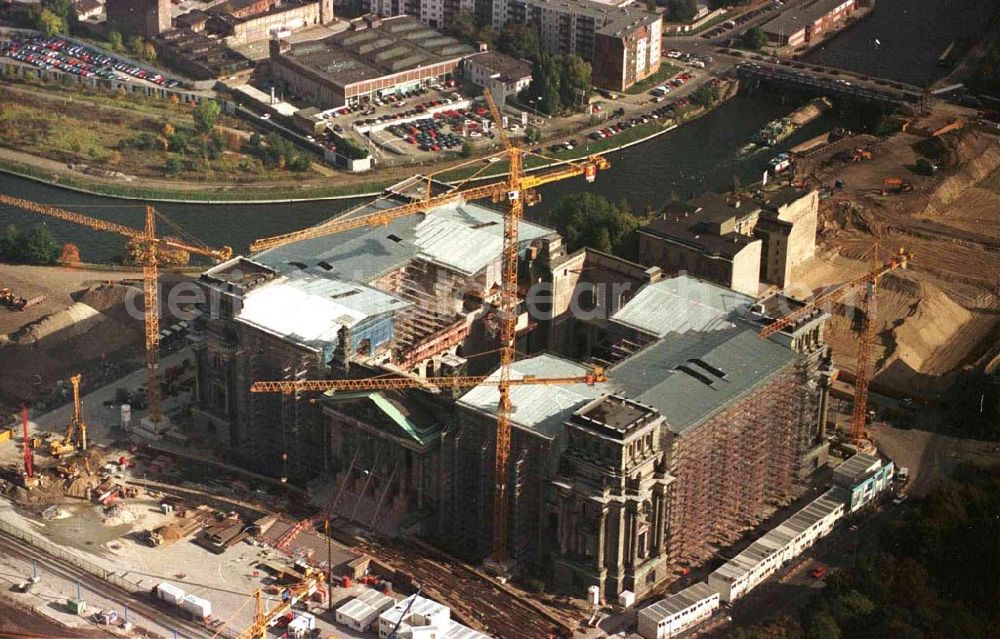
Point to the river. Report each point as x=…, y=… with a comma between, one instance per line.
x=911, y=35
x=698, y=156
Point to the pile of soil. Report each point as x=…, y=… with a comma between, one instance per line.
x=922, y=319
x=59, y=327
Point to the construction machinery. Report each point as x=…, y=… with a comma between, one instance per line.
x=870, y=281
x=264, y=618
x=517, y=191
x=30, y=480
x=895, y=185
x=151, y=244
x=17, y=303
x=76, y=432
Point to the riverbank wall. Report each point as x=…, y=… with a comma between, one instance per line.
x=244, y=194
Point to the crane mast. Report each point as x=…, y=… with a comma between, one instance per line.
x=151, y=243
x=517, y=191
x=866, y=341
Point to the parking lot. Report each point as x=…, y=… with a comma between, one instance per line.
x=69, y=57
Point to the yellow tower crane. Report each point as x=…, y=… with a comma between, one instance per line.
x=870, y=281
x=151, y=243
x=517, y=191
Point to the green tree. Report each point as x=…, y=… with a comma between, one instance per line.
x=50, y=23
x=467, y=149
x=823, y=626
x=115, y=42
x=543, y=92
x=299, y=163
x=520, y=39
x=705, y=95
x=205, y=115
x=754, y=38
x=173, y=166
x=681, y=10
x=149, y=52
x=585, y=219
x=574, y=81
x=136, y=46
x=36, y=246
x=465, y=27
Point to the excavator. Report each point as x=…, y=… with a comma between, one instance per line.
x=76, y=432
x=895, y=185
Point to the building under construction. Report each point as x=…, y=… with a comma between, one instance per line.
x=699, y=432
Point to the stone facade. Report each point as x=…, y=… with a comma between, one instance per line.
x=611, y=499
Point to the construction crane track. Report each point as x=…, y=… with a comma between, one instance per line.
x=477, y=601
x=185, y=627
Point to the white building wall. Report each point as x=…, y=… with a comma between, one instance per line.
x=651, y=627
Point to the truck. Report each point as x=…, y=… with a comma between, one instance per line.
x=903, y=475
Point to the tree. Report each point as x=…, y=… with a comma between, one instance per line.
x=50, y=23
x=543, y=91
x=70, y=254
x=520, y=39
x=299, y=163
x=168, y=129
x=754, y=38
x=585, y=219
x=149, y=52
x=115, y=42
x=33, y=247
x=681, y=10
x=136, y=46
x=467, y=149
x=205, y=115
x=706, y=95
x=823, y=626
x=173, y=166
x=115, y=158
x=532, y=135
x=135, y=251
x=574, y=81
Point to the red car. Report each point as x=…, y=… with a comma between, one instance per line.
x=818, y=572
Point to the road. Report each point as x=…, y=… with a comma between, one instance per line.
x=795, y=585
x=58, y=583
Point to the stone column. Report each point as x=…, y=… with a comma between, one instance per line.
x=599, y=553
x=633, y=537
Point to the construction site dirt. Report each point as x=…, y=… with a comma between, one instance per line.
x=112, y=537
x=941, y=314
x=82, y=326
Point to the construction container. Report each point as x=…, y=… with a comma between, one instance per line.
x=302, y=620
x=198, y=607
x=169, y=592
x=108, y=617
x=77, y=606
x=6, y=434
x=346, y=582
x=126, y=417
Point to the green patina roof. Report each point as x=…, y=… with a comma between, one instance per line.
x=403, y=416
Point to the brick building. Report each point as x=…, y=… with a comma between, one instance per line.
x=373, y=57
x=143, y=18
x=805, y=23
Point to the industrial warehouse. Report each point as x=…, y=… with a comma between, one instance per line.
x=373, y=57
